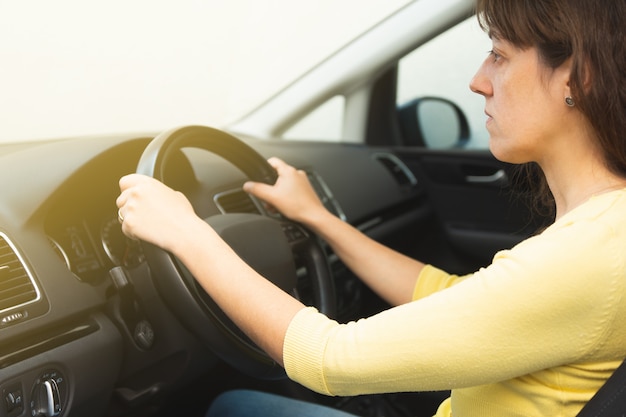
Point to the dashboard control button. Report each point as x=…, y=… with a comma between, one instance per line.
x=144, y=334
x=49, y=394
x=13, y=400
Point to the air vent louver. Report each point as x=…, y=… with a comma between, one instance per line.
x=16, y=284
x=235, y=201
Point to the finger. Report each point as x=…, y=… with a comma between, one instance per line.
x=131, y=180
x=280, y=166
x=127, y=231
x=121, y=200
x=126, y=181
x=276, y=162
x=126, y=184
x=257, y=189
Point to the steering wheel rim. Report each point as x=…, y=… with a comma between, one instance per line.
x=190, y=303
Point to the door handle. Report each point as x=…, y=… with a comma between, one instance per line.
x=497, y=178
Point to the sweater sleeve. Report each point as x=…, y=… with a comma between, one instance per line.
x=512, y=318
x=432, y=280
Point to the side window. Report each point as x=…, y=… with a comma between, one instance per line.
x=443, y=68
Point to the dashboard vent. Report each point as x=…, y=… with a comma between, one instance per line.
x=17, y=287
x=235, y=201
x=400, y=172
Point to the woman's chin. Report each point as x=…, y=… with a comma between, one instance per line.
x=503, y=153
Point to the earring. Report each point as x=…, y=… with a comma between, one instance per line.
x=569, y=101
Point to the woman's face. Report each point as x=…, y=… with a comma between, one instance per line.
x=524, y=102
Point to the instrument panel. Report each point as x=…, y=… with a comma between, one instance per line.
x=90, y=248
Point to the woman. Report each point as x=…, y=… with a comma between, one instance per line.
x=535, y=333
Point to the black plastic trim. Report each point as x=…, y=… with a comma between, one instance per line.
x=19, y=351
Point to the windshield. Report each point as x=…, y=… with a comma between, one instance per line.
x=75, y=67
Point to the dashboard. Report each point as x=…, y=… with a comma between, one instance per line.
x=84, y=329
x=90, y=247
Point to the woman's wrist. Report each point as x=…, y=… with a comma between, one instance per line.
x=318, y=220
x=188, y=235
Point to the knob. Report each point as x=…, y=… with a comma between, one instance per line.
x=48, y=395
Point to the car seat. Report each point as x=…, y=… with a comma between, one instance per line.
x=610, y=400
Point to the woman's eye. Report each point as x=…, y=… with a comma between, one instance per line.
x=496, y=56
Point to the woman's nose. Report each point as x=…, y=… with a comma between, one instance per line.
x=480, y=83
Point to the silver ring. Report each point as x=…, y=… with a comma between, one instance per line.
x=120, y=218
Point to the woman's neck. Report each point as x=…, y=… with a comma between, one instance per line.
x=575, y=166
x=575, y=186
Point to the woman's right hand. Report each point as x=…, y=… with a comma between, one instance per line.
x=151, y=211
x=292, y=194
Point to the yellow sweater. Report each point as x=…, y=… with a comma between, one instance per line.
x=534, y=334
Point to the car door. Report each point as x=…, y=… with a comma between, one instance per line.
x=478, y=209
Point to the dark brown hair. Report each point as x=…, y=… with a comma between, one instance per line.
x=590, y=32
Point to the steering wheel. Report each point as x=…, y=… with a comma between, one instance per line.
x=270, y=244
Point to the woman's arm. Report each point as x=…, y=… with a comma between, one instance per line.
x=155, y=213
x=389, y=273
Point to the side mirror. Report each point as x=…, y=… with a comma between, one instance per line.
x=433, y=122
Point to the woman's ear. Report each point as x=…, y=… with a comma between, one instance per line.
x=583, y=74
x=586, y=75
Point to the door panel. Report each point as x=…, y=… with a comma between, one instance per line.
x=475, y=208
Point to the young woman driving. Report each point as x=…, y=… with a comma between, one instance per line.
x=538, y=331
